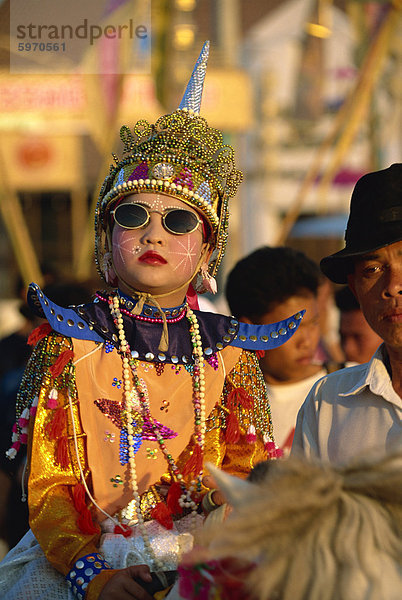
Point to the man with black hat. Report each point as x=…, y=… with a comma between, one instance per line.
x=354, y=410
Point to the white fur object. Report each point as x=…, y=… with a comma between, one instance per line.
x=317, y=532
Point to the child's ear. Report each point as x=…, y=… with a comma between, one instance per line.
x=207, y=250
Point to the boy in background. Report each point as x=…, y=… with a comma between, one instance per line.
x=267, y=286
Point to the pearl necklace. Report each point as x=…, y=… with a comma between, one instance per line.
x=136, y=401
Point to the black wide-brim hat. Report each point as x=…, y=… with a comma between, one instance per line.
x=375, y=221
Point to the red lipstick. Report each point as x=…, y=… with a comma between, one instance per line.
x=152, y=258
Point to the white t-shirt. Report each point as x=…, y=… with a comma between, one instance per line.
x=285, y=401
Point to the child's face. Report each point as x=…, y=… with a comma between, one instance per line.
x=150, y=258
x=293, y=361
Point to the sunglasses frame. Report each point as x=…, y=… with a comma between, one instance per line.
x=163, y=217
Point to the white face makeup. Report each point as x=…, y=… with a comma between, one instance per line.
x=187, y=255
x=150, y=258
x=126, y=248
x=157, y=202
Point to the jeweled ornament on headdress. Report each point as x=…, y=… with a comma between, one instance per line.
x=179, y=155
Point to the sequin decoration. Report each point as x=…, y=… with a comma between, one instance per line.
x=140, y=172
x=116, y=480
x=143, y=429
x=204, y=191
x=165, y=405
x=246, y=375
x=189, y=369
x=108, y=347
x=152, y=453
x=116, y=382
x=185, y=179
x=120, y=177
x=109, y=437
x=112, y=409
x=123, y=451
x=159, y=368
x=36, y=375
x=213, y=361
x=149, y=427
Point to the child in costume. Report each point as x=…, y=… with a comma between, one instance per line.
x=125, y=399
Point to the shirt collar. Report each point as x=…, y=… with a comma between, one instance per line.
x=375, y=377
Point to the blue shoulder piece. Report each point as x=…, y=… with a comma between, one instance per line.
x=266, y=337
x=63, y=320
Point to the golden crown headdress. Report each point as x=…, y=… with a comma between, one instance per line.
x=179, y=155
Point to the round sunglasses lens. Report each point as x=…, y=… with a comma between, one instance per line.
x=181, y=221
x=130, y=216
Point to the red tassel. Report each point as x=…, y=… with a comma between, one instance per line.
x=56, y=427
x=61, y=362
x=79, y=497
x=273, y=451
x=38, y=334
x=172, y=499
x=86, y=524
x=194, y=463
x=239, y=396
x=162, y=514
x=84, y=521
x=62, y=456
x=232, y=429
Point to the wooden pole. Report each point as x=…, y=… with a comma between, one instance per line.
x=13, y=218
x=351, y=109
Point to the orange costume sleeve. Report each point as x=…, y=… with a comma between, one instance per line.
x=59, y=517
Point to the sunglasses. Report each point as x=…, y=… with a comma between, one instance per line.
x=175, y=220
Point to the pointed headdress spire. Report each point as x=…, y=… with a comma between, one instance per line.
x=193, y=94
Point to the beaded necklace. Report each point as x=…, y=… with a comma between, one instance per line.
x=147, y=319
x=137, y=409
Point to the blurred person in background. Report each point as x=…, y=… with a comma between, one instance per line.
x=358, y=340
x=266, y=286
x=329, y=349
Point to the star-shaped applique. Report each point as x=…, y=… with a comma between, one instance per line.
x=113, y=409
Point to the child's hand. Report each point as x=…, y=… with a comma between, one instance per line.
x=217, y=496
x=122, y=586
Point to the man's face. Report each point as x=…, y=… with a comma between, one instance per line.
x=377, y=285
x=293, y=361
x=358, y=340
